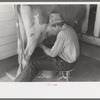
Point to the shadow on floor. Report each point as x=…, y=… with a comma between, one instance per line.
x=86, y=70
x=8, y=64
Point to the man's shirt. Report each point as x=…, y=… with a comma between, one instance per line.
x=66, y=45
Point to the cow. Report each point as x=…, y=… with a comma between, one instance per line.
x=32, y=22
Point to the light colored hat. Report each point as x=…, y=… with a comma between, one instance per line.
x=55, y=18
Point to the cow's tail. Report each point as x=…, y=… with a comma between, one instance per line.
x=16, y=11
x=17, y=17
x=20, y=43
x=19, y=25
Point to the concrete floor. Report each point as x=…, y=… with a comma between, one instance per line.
x=86, y=70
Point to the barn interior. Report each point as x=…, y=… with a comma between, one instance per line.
x=87, y=68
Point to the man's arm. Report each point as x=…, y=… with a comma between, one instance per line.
x=58, y=46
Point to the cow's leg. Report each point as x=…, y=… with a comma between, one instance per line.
x=21, y=43
x=31, y=45
x=35, y=36
x=28, y=21
x=19, y=50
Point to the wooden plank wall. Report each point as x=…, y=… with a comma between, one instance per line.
x=8, y=36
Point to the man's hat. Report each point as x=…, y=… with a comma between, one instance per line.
x=55, y=18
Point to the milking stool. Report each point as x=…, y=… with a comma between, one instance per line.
x=65, y=75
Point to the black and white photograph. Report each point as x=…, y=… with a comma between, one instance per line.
x=50, y=50
x=50, y=42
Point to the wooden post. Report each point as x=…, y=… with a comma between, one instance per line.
x=97, y=22
x=85, y=22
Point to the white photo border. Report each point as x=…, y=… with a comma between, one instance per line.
x=50, y=89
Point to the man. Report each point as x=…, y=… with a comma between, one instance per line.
x=61, y=56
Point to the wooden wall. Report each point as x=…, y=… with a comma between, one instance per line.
x=8, y=36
